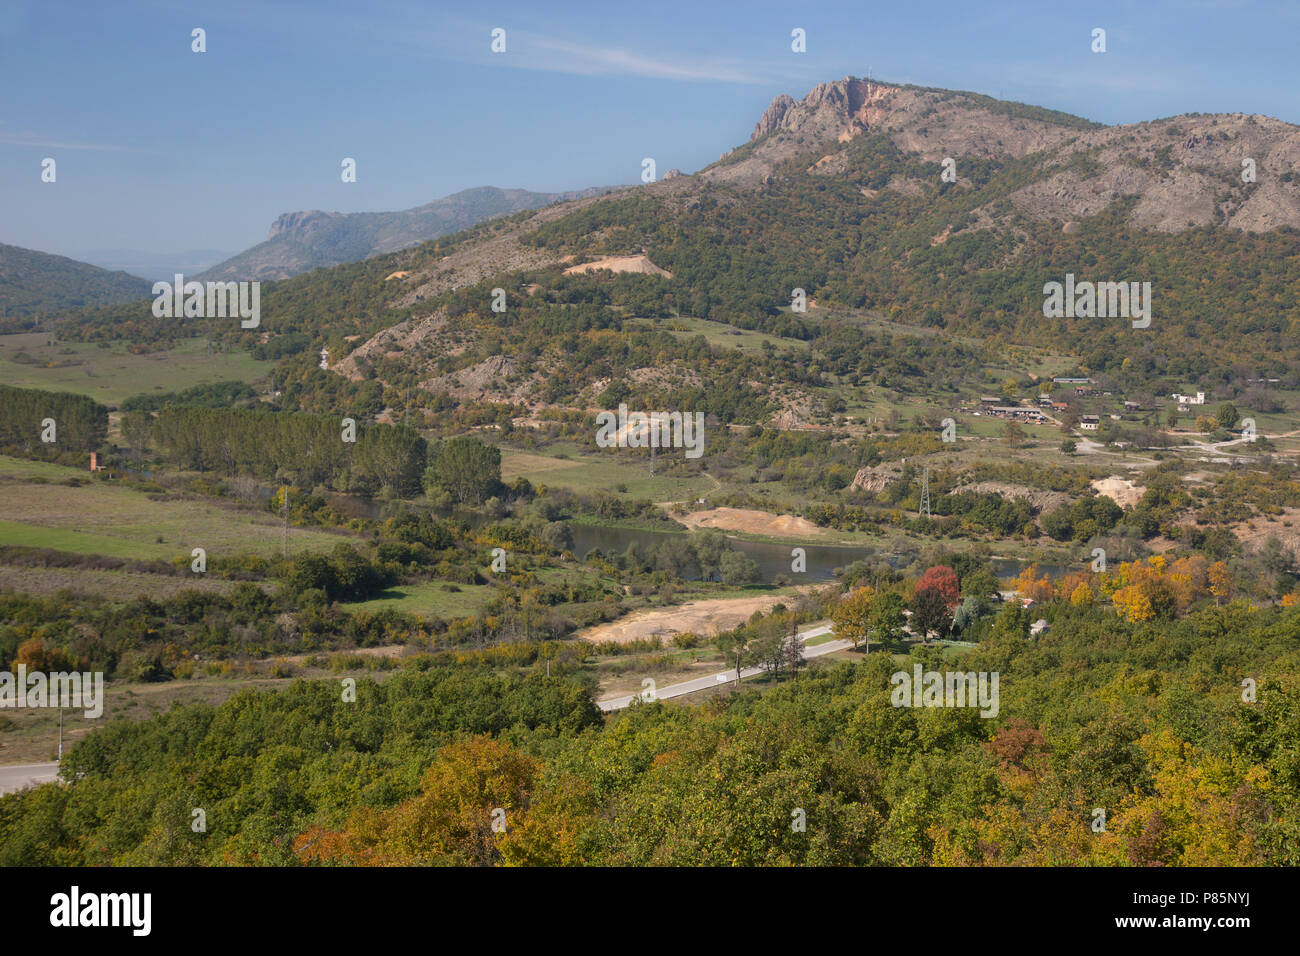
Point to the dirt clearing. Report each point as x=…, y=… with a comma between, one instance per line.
x=640, y=264
x=752, y=522
x=1119, y=490
x=706, y=618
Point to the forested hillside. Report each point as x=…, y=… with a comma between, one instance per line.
x=1145, y=721
x=396, y=585
x=37, y=283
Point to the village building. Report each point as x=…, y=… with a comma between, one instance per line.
x=1017, y=412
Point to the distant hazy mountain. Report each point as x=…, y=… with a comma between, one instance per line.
x=156, y=265
x=34, y=283
x=302, y=241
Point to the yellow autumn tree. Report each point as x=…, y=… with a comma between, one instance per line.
x=1133, y=603
x=473, y=794
x=1030, y=585
x=1220, y=582
x=1193, y=815
x=1082, y=594
x=851, y=617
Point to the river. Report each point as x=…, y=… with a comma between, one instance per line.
x=772, y=559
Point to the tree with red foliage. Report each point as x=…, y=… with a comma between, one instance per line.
x=937, y=594
x=942, y=579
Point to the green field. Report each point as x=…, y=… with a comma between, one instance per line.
x=603, y=471
x=113, y=374
x=38, y=508
x=431, y=599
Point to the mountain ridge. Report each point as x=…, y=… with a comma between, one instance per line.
x=304, y=240
x=841, y=194
x=34, y=282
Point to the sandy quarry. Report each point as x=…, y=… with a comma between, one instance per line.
x=752, y=522
x=705, y=618
x=621, y=264
x=1119, y=490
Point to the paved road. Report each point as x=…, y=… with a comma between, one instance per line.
x=21, y=775
x=703, y=683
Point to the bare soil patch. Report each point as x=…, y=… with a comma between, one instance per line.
x=1119, y=490
x=751, y=522
x=706, y=618
x=1285, y=527
x=621, y=264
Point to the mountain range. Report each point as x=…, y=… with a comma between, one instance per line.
x=844, y=194
x=933, y=210
x=302, y=241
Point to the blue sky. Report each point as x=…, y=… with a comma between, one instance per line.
x=162, y=149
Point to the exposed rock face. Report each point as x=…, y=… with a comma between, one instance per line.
x=303, y=224
x=849, y=106
x=1039, y=499
x=876, y=479
x=405, y=337
x=1178, y=171
x=1184, y=171
x=926, y=122
x=772, y=116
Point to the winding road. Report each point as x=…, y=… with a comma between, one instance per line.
x=712, y=680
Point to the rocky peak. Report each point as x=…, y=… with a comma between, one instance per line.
x=772, y=116
x=849, y=106
x=297, y=223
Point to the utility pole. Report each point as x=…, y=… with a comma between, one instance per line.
x=60, y=736
x=286, y=522
x=925, y=492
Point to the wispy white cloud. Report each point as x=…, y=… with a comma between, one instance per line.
x=42, y=141
x=425, y=33
x=533, y=51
